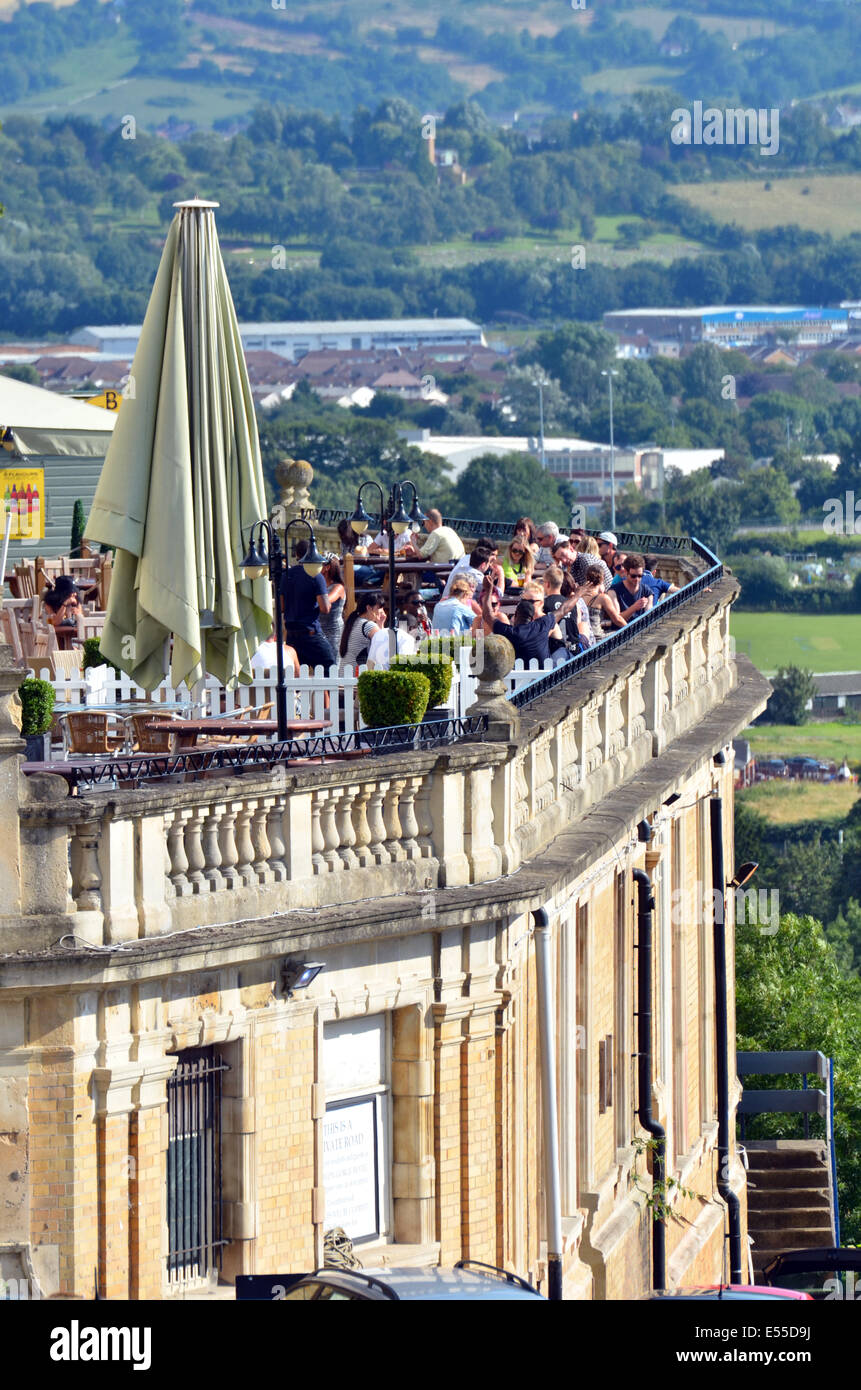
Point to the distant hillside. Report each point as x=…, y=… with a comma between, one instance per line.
x=178, y=65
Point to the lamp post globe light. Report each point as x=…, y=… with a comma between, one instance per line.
x=609, y=375
x=266, y=554
x=394, y=520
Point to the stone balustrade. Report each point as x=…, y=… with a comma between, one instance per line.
x=113, y=866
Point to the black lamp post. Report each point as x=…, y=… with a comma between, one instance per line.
x=394, y=520
x=268, y=555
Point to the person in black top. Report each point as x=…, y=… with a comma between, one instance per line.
x=304, y=597
x=529, y=634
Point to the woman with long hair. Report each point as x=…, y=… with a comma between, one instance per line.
x=366, y=619
x=61, y=602
x=332, y=623
x=518, y=565
x=525, y=528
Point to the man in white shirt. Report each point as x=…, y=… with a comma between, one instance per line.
x=441, y=544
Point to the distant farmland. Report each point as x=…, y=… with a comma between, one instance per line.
x=820, y=203
x=819, y=642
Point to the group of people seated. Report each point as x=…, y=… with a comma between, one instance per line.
x=572, y=590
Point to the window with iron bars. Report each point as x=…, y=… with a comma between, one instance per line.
x=194, y=1166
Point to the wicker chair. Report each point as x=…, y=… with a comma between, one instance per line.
x=150, y=740
x=94, y=732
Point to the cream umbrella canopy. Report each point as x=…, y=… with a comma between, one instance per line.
x=183, y=481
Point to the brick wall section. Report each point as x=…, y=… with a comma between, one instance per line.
x=478, y=1161
x=63, y=1168
x=147, y=1152
x=285, y=1148
x=447, y=1136
x=602, y=920
x=112, y=1139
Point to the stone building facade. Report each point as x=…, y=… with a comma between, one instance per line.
x=172, y=1111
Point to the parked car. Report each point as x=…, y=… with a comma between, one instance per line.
x=468, y=1281
x=825, y=1272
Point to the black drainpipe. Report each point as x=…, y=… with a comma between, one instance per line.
x=733, y=1205
x=645, y=904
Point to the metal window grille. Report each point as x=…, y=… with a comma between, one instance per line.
x=194, y=1168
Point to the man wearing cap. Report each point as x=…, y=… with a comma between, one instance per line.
x=607, y=544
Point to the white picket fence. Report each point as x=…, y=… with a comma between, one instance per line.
x=306, y=693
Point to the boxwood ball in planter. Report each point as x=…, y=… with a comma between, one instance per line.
x=438, y=670
x=387, y=698
x=37, y=711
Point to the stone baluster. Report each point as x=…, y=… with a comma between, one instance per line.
x=376, y=823
x=194, y=850
x=346, y=829
x=394, y=832
x=331, y=838
x=211, y=849
x=263, y=870
x=227, y=843
x=364, y=855
x=245, y=852
x=87, y=874
x=277, y=842
x=409, y=824
x=177, y=874
x=423, y=815
x=318, y=844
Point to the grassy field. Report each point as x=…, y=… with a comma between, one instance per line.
x=556, y=247
x=820, y=643
x=832, y=202
x=832, y=740
x=787, y=803
x=620, y=82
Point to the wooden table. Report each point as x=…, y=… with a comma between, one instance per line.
x=187, y=731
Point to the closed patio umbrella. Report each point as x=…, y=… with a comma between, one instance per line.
x=183, y=481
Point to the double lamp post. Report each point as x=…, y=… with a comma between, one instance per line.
x=265, y=553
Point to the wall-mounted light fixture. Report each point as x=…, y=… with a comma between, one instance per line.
x=644, y=832
x=299, y=974
x=743, y=874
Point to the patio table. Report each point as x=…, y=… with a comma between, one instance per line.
x=187, y=731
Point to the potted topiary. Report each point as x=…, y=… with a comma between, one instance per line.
x=37, y=711
x=439, y=670
x=390, y=698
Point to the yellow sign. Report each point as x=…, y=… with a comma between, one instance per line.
x=108, y=400
x=23, y=493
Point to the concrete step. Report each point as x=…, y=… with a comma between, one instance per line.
x=775, y=1241
x=789, y=1219
x=779, y=1179
x=798, y=1154
x=762, y=1199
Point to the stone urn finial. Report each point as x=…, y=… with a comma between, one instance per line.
x=294, y=478
x=494, y=658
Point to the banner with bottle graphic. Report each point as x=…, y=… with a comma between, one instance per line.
x=23, y=493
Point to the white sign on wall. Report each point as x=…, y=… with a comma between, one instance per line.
x=350, y=1167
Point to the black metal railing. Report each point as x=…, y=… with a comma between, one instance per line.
x=623, y=635
x=194, y=1166
x=135, y=768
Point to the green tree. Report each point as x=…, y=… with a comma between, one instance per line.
x=791, y=994
x=699, y=508
x=504, y=487
x=794, y=687
x=79, y=522
x=766, y=496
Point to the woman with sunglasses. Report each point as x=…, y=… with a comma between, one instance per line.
x=518, y=565
x=61, y=603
